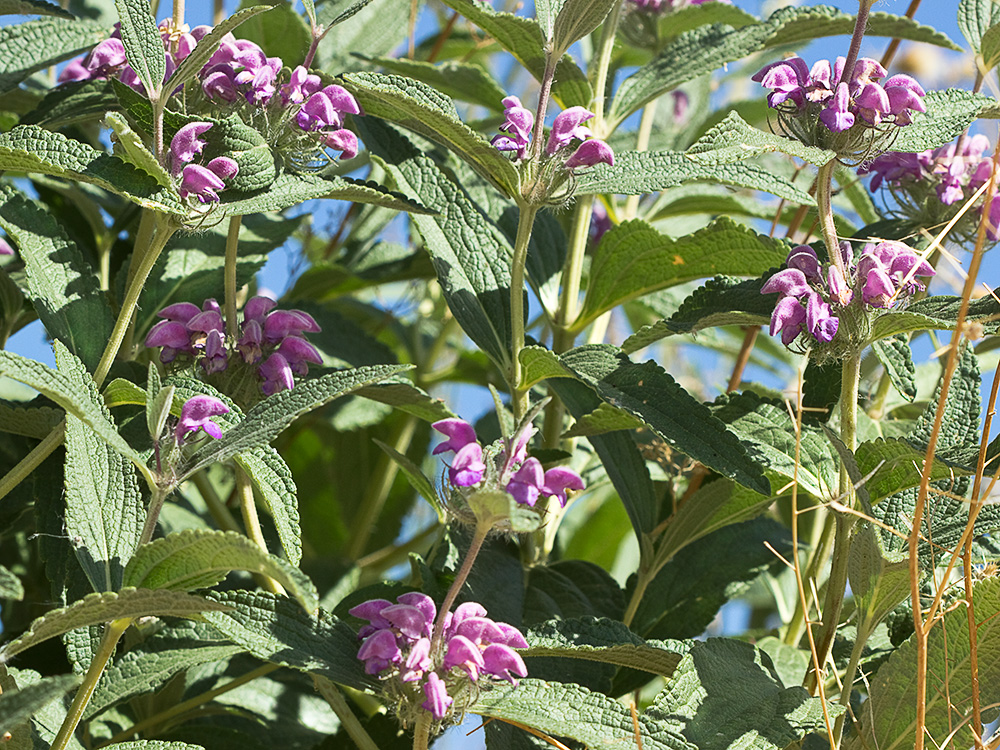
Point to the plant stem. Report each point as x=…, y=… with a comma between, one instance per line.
x=178, y=13
x=526, y=220
x=641, y=144
x=824, y=191
x=859, y=32
x=544, y=92
x=609, y=31
x=442, y=37
x=478, y=537
x=112, y=634
x=244, y=491
x=232, y=247
x=348, y=720
x=33, y=460
x=219, y=14
x=422, y=731
x=569, y=295
x=749, y=339
x=890, y=51
x=153, y=514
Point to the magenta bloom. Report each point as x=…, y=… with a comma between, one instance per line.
x=196, y=415
x=187, y=144
x=467, y=469
x=567, y=127
x=589, y=153
x=459, y=433
x=527, y=483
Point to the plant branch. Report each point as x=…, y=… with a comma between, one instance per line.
x=348, y=720
x=232, y=254
x=526, y=220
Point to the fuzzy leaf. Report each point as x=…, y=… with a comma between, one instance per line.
x=73, y=102
x=29, y=148
x=878, y=584
x=420, y=108
x=282, y=33
x=10, y=585
x=640, y=172
x=273, y=481
x=576, y=19
x=649, y=393
x=888, y=716
x=194, y=559
x=634, y=259
x=401, y=394
x=32, y=8
x=266, y=420
x=975, y=18
x=573, y=711
x=948, y=115
x=33, y=422
x=726, y=694
x=132, y=149
x=894, y=354
x=467, y=82
x=417, y=479
x=31, y=46
x=104, y=507
x=143, y=45
x=95, y=609
x=272, y=628
x=895, y=465
x=795, y=25
x=937, y=313
x=734, y=140
x=61, y=287
x=17, y=706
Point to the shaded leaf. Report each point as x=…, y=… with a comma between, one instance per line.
x=948, y=114
x=467, y=82
x=32, y=8
x=33, y=45
x=273, y=481
x=894, y=354
x=576, y=19
x=734, y=139
x=143, y=45
x=10, y=585
x=17, y=706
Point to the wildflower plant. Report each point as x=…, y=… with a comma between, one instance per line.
x=241, y=512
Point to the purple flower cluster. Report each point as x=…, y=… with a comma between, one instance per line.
x=239, y=72
x=665, y=6
x=398, y=645
x=522, y=477
x=567, y=128
x=273, y=340
x=201, y=182
x=196, y=415
x=884, y=272
x=953, y=172
x=5, y=248
x=797, y=89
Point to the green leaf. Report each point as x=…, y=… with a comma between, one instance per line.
x=640, y=172
x=29, y=148
x=601, y=640
x=975, y=18
x=65, y=391
x=104, y=507
x=248, y=148
x=649, y=393
x=634, y=259
x=576, y=19
x=795, y=25
x=282, y=33
x=273, y=481
x=940, y=313
x=194, y=559
x=726, y=694
x=337, y=7
x=689, y=56
x=894, y=354
x=131, y=148
x=95, y=609
x=820, y=391
x=71, y=103
x=686, y=18
x=143, y=45
x=17, y=706
x=31, y=46
x=568, y=710
x=420, y=108
x=62, y=288
x=10, y=585
x=470, y=255
x=605, y=418
x=888, y=716
x=417, y=479
x=32, y=8
x=272, y=628
x=949, y=113
x=155, y=745
x=406, y=397
x=266, y=420
x=894, y=465
x=722, y=301
x=291, y=189
x=525, y=40
x=734, y=140
x=467, y=82
x=878, y=584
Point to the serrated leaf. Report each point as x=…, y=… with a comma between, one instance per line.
x=135, y=151
x=417, y=479
x=640, y=172
x=406, y=397
x=233, y=138
x=634, y=259
x=576, y=19
x=722, y=301
x=19, y=705
x=273, y=481
x=894, y=465
x=878, y=584
x=895, y=355
x=423, y=110
x=32, y=8
x=10, y=585
x=888, y=716
x=649, y=393
x=292, y=189
x=338, y=7
x=95, y=609
x=940, y=313
x=29, y=148
x=948, y=114
x=525, y=40
x=104, y=507
x=726, y=694
x=991, y=48
x=65, y=392
x=62, y=288
x=602, y=640
x=195, y=559
x=467, y=82
x=31, y=46
x=686, y=18
x=195, y=61
x=573, y=711
x=470, y=255
x=143, y=45
x=734, y=140
x=274, y=629
x=605, y=418
x=975, y=18
x=73, y=102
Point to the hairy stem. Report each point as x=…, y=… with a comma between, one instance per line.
x=519, y=398
x=859, y=33
x=569, y=295
x=153, y=514
x=348, y=720
x=824, y=192
x=422, y=731
x=478, y=537
x=248, y=508
x=609, y=32
x=641, y=144
x=232, y=248
x=113, y=632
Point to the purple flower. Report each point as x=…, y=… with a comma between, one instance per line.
x=820, y=321
x=379, y=651
x=200, y=182
x=438, y=701
x=464, y=654
x=196, y=415
x=410, y=621
x=276, y=374
x=791, y=282
x=527, y=483
x=298, y=352
x=5, y=248
x=836, y=116
x=300, y=87
x=459, y=433
x=567, y=127
x=560, y=479
x=503, y=662
x=342, y=140
x=467, y=468
x=517, y=123
x=804, y=259
x=788, y=319
x=281, y=323
x=787, y=79
x=187, y=143
x=589, y=153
